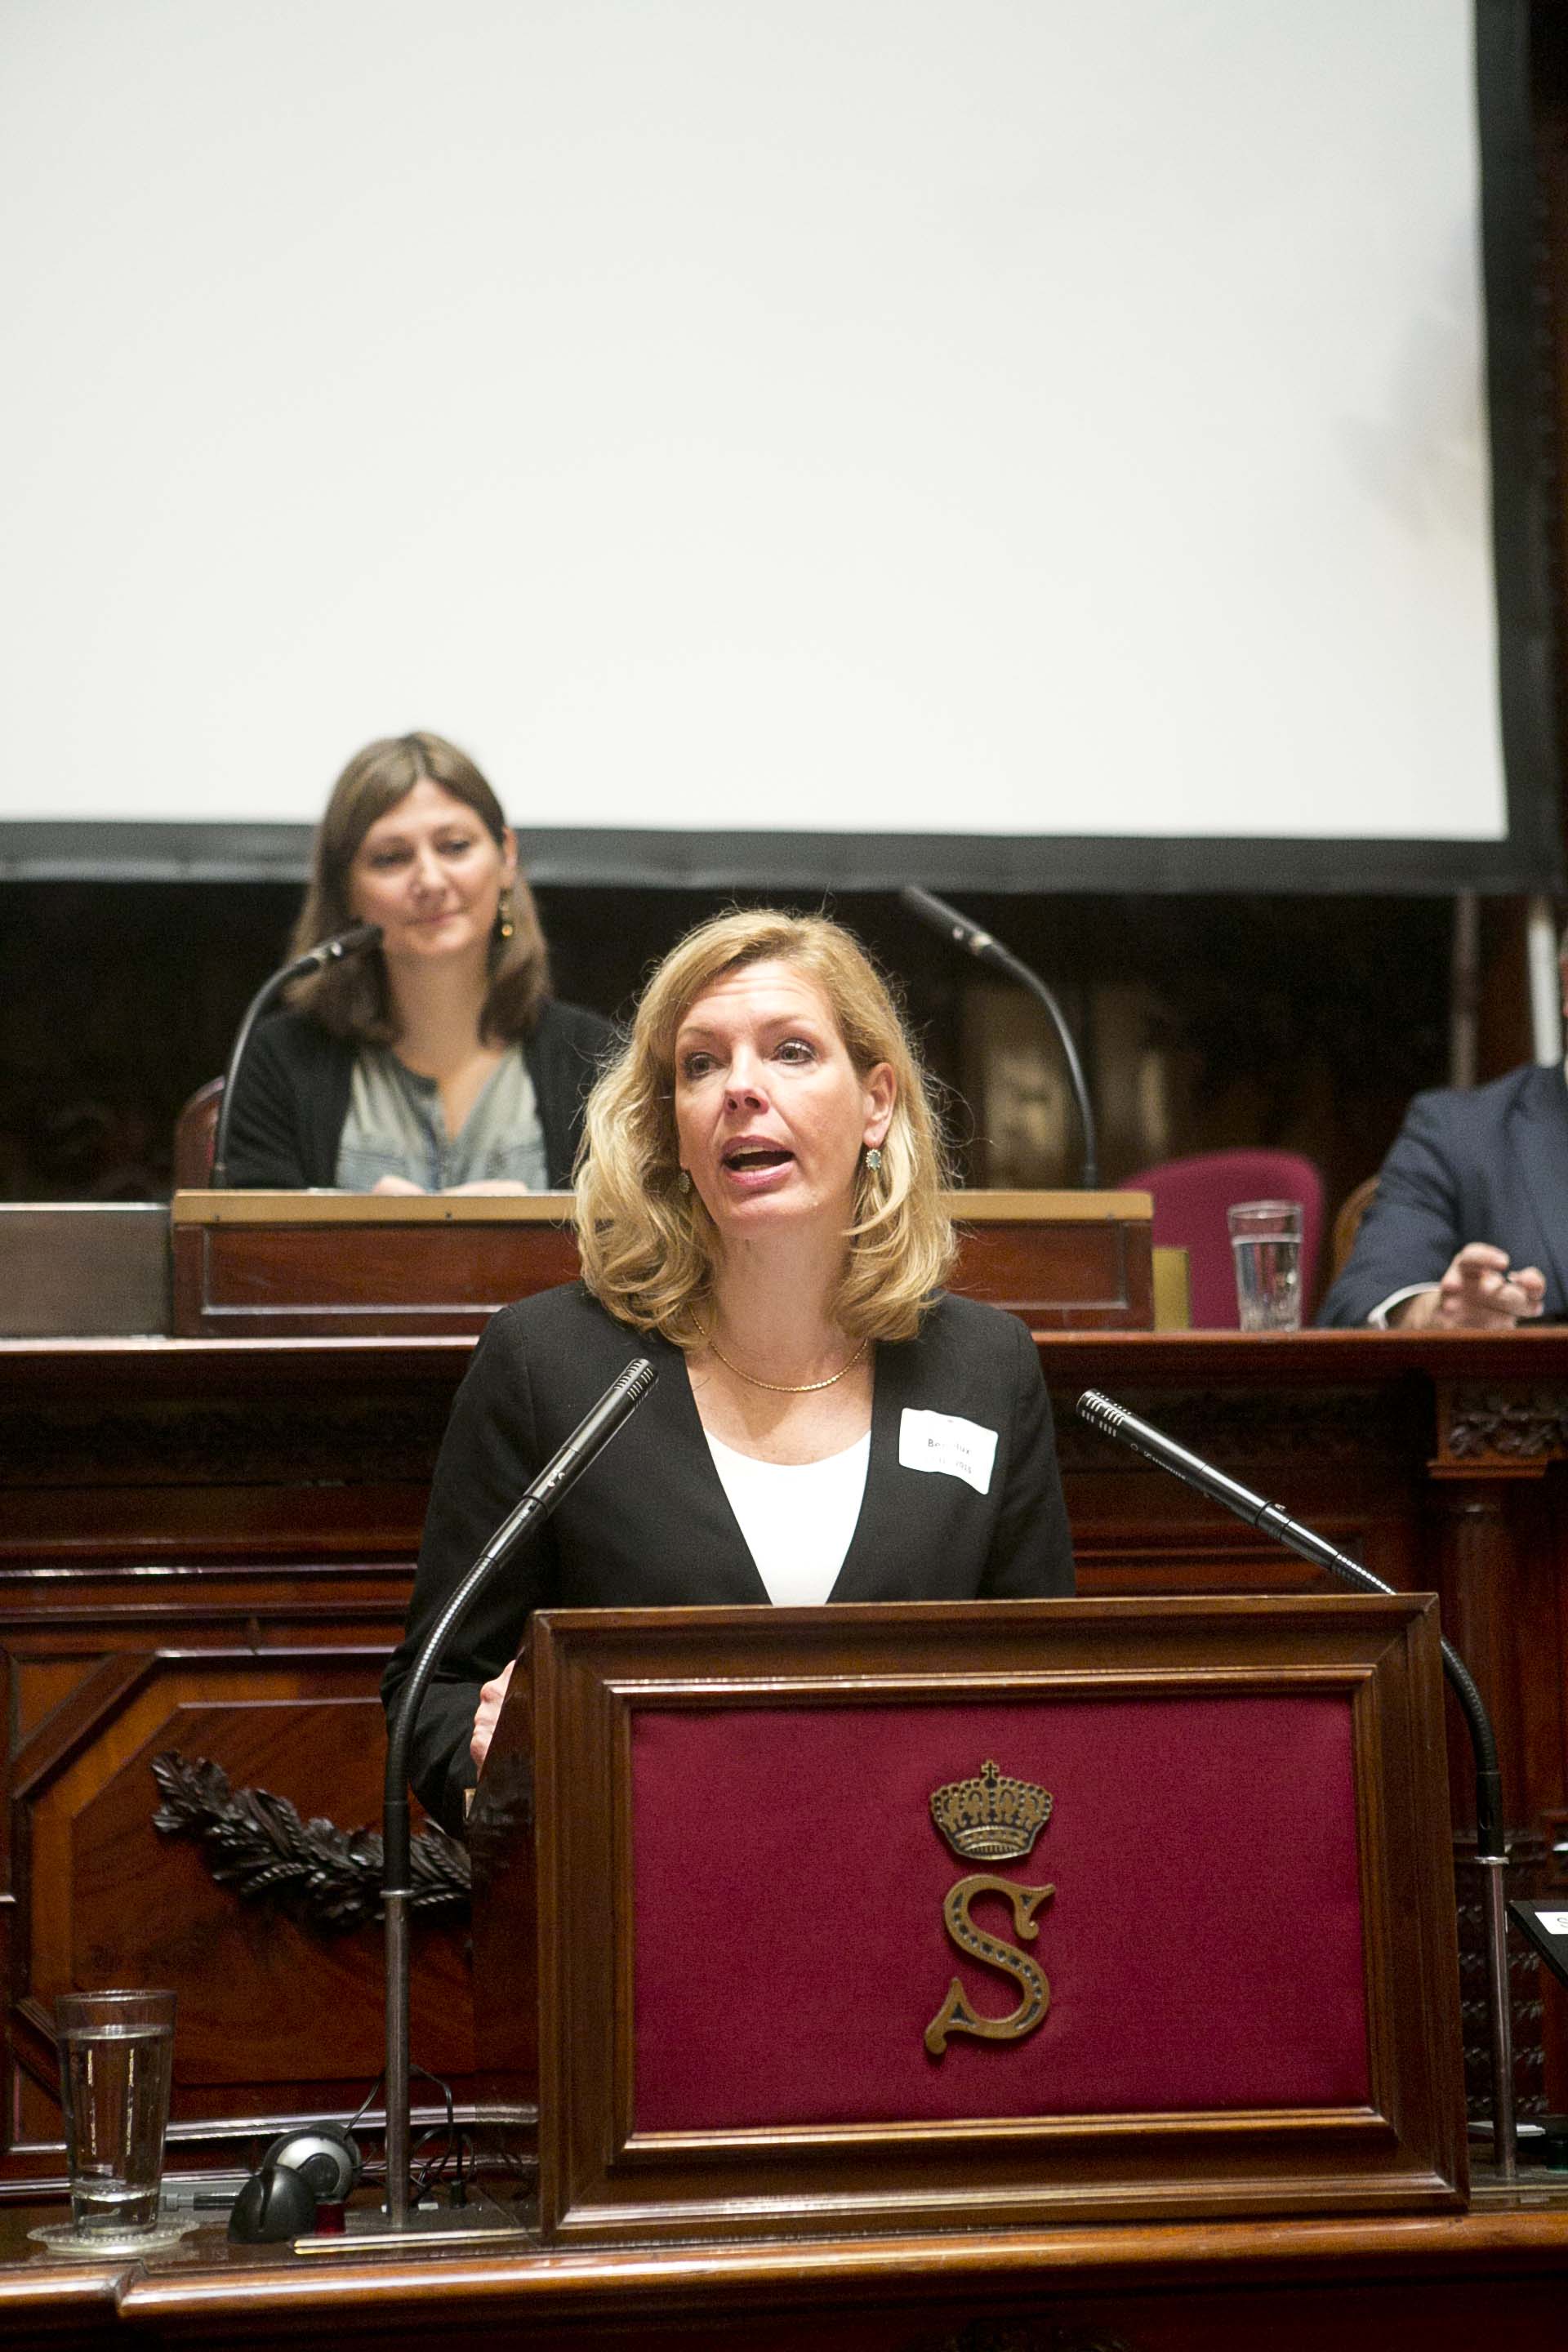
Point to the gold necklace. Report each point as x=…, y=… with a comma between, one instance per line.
x=789, y=1388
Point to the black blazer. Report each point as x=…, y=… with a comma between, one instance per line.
x=293, y=1096
x=1490, y=1164
x=650, y=1525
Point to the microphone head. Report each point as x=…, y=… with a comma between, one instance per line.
x=935, y=910
x=1101, y=1413
x=362, y=935
x=953, y=927
x=332, y=951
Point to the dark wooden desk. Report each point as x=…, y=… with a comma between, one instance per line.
x=1495, y=2277
x=260, y=1265
x=204, y=1548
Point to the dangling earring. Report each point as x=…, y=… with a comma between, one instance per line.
x=503, y=915
x=873, y=1161
x=683, y=1181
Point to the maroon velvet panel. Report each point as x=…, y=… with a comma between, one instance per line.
x=1203, y=1947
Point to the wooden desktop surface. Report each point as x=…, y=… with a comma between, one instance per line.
x=1494, y=2276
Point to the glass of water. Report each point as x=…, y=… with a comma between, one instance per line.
x=117, y=2064
x=1266, y=1242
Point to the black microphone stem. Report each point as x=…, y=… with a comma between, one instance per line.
x=620, y=1399
x=1113, y=1419
x=363, y=935
x=1088, y=1171
x=980, y=944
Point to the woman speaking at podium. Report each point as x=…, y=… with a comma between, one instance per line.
x=759, y=1211
x=438, y=1061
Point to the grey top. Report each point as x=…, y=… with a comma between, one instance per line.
x=396, y=1128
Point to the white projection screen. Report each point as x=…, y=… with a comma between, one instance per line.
x=1029, y=444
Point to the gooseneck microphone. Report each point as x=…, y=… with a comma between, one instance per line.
x=325, y=952
x=980, y=944
x=619, y=1402
x=1113, y=1419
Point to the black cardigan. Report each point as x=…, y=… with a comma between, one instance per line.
x=293, y=1096
x=650, y=1524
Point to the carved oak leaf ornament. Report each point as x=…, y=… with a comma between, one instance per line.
x=326, y=1878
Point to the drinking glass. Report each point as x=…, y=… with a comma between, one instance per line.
x=1266, y=1241
x=117, y=2057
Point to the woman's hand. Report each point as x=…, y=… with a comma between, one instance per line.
x=396, y=1184
x=489, y=1716
x=1478, y=1293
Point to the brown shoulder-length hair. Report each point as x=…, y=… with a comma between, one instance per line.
x=350, y=996
x=648, y=1248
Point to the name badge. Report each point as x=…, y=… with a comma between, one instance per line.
x=946, y=1442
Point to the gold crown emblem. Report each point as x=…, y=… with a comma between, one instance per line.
x=991, y=1816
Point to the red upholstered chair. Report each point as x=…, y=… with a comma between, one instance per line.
x=1191, y=1197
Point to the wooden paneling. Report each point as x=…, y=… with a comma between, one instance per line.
x=1070, y=1271
x=292, y=1264
x=235, y=1522
x=385, y=1275
x=276, y=2016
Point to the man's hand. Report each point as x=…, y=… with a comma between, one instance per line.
x=396, y=1184
x=1479, y=1293
x=485, y=1721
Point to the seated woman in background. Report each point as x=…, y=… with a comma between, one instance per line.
x=758, y=1212
x=437, y=1061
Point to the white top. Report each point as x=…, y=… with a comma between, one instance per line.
x=798, y=1517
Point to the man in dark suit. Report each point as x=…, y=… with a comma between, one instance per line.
x=1469, y=1229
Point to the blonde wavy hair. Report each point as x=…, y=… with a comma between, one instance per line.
x=649, y=1249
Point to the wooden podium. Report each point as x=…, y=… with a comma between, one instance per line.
x=288, y=1265
x=749, y=1881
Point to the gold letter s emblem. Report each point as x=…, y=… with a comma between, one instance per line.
x=955, y=2016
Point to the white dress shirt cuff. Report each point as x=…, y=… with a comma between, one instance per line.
x=1378, y=1318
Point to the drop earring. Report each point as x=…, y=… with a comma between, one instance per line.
x=683, y=1181
x=504, y=923
x=873, y=1161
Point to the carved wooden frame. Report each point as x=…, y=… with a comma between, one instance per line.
x=602, y=2182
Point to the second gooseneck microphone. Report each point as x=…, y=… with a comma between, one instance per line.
x=325, y=952
x=1113, y=1420
x=980, y=944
